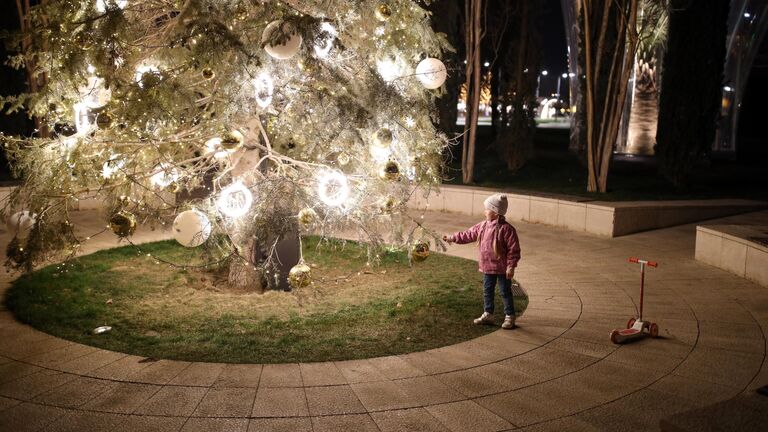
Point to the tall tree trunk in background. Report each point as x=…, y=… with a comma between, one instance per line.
x=520, y=68
x=691, y=89
x=609, y=43
x=34, y=81
x=473, y=76
x=446, y=18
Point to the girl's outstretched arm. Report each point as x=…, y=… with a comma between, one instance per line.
x=469, y=235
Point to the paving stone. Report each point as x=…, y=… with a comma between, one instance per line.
x=78, y=421
x=732, y=336
x=416, y=419
x=383, y=395
x=332, y=400
x=470, y=383
x=122, y=398
x=428, y=362
x=6, y=403
x=695, y=391
x=506, y=375
x=76, y=392
x=303, y=424
x=15, y=370
x=158, y=372
x=126, y=366
x=342, y=423
x=143, y=423
x=280, y=402
x=59, y=356
x=239, y=375
x=90, y=362
x=394, y=367
x=356, y=371
x=641, y=410
x=466, y=416
x=281, y=375
x=730, y=368
x=29, y=417
x=317, y=374
x=428, y=390
x=173, y=401
x=215, y=425
x=226, y=402
x=545, y=363
x=570, y=423
x=742, y=413
x=198, y=374
x=28, y=387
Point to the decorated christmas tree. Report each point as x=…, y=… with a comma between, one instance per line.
x=239, y=123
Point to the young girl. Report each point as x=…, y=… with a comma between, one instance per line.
x=499, y=254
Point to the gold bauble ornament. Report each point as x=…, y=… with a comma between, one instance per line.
x=307, y=216
x=103, y=120
x=390, y=171
x=342, y=158
x=123, y=223
x=173, y=187
x=208, y=73
x=300, y=276
x=124, y=200
x=420, y=251
x=388, y=205
x=383, y=12
x=383, y=138
x=232, y=140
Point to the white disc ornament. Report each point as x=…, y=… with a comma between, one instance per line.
x=281, y=51
x=235, y=200
x=191, y=228
x=431, y=73
x=20, y=222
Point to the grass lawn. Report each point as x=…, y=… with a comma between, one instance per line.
x=351, y=310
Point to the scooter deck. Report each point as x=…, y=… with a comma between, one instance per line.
x=629, y=332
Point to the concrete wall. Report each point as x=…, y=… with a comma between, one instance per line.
x=728, y=247
x=602, y=218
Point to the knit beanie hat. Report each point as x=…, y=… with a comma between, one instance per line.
x=497, y=204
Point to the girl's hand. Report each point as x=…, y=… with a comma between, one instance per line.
x=447, y=238
x=510, y=273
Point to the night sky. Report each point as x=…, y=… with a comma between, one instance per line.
x=554, y=47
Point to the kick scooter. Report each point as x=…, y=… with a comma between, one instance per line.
x=636, y=327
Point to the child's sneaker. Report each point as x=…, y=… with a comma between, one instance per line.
x=509, y=322
x=485, y=318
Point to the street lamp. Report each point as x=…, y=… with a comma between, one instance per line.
x=538, y=81
x=563, y=76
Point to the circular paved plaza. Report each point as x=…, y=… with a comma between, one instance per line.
x=557, y=371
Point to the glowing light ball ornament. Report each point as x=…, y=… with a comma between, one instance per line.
x=94, y=94
x=323, y=47
x=82, y=119
x=103, y=5
x=164, y=177
x=235, y=200
x=333, y=188
x=191, y=228
x=431, y=72
x=281, y=51
x=264, y=88
x=20, y=222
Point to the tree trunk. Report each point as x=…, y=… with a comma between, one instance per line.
x=609, y=43
x=474, y=75
x=692, y=87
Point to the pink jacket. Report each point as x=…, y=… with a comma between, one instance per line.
x=506, y=241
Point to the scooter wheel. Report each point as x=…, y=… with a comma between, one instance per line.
x=630, y=323
x=654, y=330
x=615, y=337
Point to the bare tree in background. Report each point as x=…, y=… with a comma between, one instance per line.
x=35, y=79
x=473, y=37
x=609, y=40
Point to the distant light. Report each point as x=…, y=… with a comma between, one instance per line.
x=525, y=70
x=544, y=72
x=565, y=75
x=486, y=64
x=571, y=74
x=747, y=15
x=728, y=88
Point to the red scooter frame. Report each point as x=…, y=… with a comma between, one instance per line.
x=636, y=327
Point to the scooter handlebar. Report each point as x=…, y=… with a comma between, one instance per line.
x=638, y=261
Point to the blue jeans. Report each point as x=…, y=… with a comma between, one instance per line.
x=505, y=287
